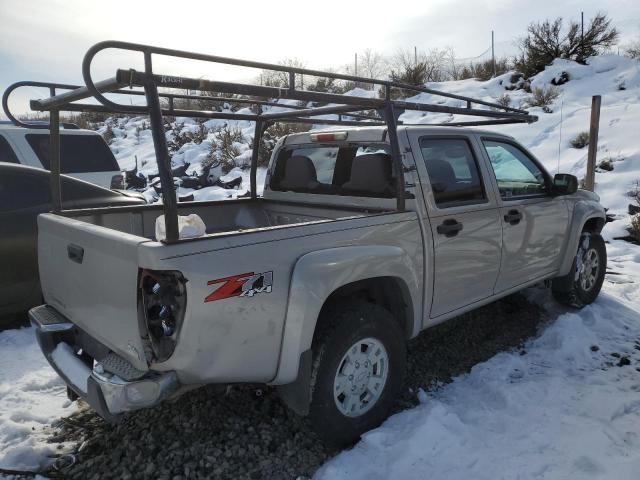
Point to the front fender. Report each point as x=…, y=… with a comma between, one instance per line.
x=583, y=211
x=318, y=274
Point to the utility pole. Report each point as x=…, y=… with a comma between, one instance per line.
x=355, y=68
x=589, y=180
x=493, y=55
x=415, y=56
x=582, y=35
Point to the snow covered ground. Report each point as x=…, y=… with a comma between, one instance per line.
x=561, y=410
x=565, y=409
x=31, y=397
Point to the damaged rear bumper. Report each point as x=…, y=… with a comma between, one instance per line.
x=108, y=394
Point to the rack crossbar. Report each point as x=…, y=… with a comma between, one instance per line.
x=350, y=110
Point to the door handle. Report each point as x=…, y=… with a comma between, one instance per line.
x=75, y=253
x=513, y=217
x=449, y=228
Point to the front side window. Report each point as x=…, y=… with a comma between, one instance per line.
x=361, y=170
x=453, y=171
x=517, y=175
x=78, y=153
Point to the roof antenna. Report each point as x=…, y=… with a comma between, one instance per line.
x=560, y=136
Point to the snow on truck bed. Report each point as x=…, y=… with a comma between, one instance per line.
x=565, y=409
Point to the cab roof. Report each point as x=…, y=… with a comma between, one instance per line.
x=379, y=134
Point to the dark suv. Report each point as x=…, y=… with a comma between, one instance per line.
x=24, y=193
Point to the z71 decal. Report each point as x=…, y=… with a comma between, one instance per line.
x=243, y=285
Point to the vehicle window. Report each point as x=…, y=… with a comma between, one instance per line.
x=323, y=159
x=517, y=175
x=22, y=191
x=453, y=171
x=353, y=170
x=6, y=152
x=78, y=153
x=74, y=190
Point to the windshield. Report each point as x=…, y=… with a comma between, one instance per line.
x=78, y=153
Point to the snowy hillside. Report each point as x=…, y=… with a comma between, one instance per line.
x=568, y=407
x=616, y=78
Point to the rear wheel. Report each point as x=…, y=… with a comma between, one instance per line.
x=358, y=367
x=582, y=284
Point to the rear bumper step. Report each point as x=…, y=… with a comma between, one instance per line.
x=107, y=393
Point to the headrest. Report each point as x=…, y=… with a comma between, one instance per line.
x=370, y=173
x=441, y=174
x=299, y=172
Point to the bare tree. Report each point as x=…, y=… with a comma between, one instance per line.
x=548, y=40
x=435, y=61
x=452, y=66
x=632, y=49
x=272, y=78
x=372, y=64
x=417, y=69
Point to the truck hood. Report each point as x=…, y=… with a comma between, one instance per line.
x=587, y=195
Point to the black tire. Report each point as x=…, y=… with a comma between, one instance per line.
x=343, y=327
x=569, y=290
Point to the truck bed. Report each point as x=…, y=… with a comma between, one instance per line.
x=90, y=263
x=220, y=217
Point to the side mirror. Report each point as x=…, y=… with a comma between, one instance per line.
x=564, y=184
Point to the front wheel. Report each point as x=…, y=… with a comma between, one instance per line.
x=358, y=368
x=582, y=284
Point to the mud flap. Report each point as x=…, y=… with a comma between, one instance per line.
x=297, y=395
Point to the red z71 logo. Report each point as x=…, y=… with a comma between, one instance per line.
x=243, y=285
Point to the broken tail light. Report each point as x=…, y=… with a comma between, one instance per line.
x=163, y=300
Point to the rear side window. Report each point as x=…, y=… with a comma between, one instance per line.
x=78, y=153
x=19, y=191
x=363, y=170
x=6, y=152
x=453, y=171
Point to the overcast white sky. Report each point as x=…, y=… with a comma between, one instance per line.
x=46, y=39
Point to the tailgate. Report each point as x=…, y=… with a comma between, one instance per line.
x=89, y=274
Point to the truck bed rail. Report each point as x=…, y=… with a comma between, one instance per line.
x=351, y=110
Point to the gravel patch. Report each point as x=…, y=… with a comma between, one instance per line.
x=245, y=432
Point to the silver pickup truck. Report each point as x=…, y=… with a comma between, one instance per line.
x=361, y=238
x=316, y=286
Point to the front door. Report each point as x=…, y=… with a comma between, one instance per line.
x=464, y=221
x=534, y=222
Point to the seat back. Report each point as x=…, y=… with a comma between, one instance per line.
x=370, y=173
x=441, y=174
x=299, y=173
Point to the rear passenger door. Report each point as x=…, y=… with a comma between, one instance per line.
x=534, y=222
x=464, y=221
